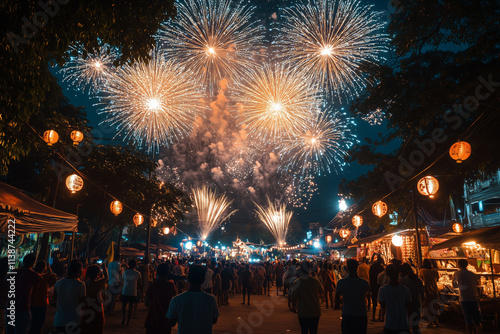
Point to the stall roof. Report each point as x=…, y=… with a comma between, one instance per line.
x=375, y=237
x=31, y=216
x=488, y=237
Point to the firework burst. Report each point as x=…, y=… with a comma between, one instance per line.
x=214, y=39
x=322, y=146
x=276, y=218
x=153, y=103
x=330, y=40
x=211, y=210
x=276, y=100
x=89, y=72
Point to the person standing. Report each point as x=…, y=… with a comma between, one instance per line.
x=131, y=282
x=466, y=282
x=157, y=299
x=114, y=283
x=353, y=291
x=328, y=280
x=94, y=284
x=226, y=277
x=279, y=272
x=40, y=297
x=396, y=300
x=416, y=286
x=431, y=301
x=305, y=294
x=195, y=311
x=208, y=285
x=376, y=268
x=364, y=273
x=25, y=280
x=246, y=283
x=69, y=294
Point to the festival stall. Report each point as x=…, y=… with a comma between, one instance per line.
x=481, y=249
x=28, y=218
x=399, y=244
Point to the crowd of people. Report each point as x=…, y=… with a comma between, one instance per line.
x=189, y=293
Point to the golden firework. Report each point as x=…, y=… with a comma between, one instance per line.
x=276, y=218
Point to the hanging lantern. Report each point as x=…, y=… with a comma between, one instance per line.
x=199, y=243
x=397, y=240
x=76, y=137
x=344, y=233
x=457, y=228
x=353, y=240
x=116, y=207
x=138, y=219
x=328, y=239
x=166, y=230
x=50, y=137
x=428, y=186
x=357, y=220
x=74, y=183
x=460, y=151
x=379, y=209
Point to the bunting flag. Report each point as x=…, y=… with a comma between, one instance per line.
x=111, y=252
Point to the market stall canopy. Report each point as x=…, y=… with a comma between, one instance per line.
x=375, y=237
x=488, y=237
x=31, y=216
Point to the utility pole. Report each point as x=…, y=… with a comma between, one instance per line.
x=417, y=232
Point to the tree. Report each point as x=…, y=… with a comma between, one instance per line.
x=443, y=85
x=37, y=34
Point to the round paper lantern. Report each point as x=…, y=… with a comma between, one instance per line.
x=76, y=137
x=74, y=183
x=166, y=230
x=116, y=207
x=328, y=239
x=397, y=240
x=457, y=228
x=357, y=220
x=198, y=243
x=138, y=219
x=379, y=209
x=428, y=186
x=344, y=233
x=50, y=137
x=460, y=151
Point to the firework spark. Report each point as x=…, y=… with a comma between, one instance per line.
x=89, y=72
x=322, y=146
x=152, y=103
x=330, y=40
x=276, y=218
x=276, y=100
x=215, y=39
x=211, y=210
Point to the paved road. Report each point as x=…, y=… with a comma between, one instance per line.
x=266, y=315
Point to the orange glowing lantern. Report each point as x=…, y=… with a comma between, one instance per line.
x=457, y=228
x=344, y=233
x=74, y=183
x=166, y=230
x=357, y=220
x=379, y=209
x=50, y=137
x=116, y=207
x=138, y=219
x=199, y=243
x=428, y=186
x=328, y=239
x=460, y=151
x=76, y=137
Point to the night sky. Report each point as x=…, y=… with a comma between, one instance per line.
x=324, y=204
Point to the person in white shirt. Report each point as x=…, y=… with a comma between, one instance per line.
x=208, y=285
x=466, y=282
x=195, y=310
x=114, y=283
x=131, y=280
x=396, y=300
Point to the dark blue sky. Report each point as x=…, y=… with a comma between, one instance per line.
x=324, y=204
